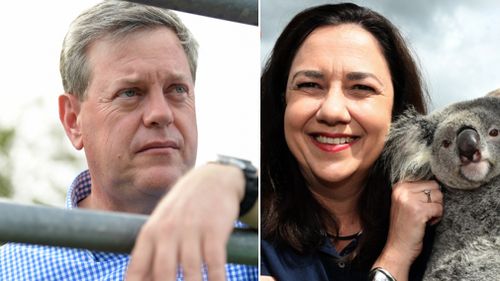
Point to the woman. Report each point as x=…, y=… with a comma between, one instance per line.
x=337, y=76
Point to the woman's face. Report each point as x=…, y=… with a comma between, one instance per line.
x=339, y=100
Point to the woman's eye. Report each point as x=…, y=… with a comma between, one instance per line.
x=363, y=88
x=129, y=93
x=307, y=85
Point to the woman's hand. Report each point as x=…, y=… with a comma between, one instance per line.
x=413, y=207
x=190, y=226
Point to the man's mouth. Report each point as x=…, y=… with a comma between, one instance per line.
x=160, y=146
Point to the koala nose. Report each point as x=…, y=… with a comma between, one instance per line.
x=468, y=145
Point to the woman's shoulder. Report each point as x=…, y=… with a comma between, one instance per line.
x=284, y=263
x=277, y=256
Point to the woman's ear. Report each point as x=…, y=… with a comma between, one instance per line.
x=69, y=112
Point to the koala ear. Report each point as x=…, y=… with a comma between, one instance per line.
x=407, y=150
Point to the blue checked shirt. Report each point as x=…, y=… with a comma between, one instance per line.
x=24, y=262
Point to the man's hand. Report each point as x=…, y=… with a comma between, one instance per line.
x=189, y=227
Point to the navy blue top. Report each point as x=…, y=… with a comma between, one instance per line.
x=285, y=264
x=323, y=265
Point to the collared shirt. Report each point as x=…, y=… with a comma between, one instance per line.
x=24, y=262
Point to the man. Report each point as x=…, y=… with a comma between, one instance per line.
x=128, y=73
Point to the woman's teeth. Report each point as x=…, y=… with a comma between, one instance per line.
x=323, y=139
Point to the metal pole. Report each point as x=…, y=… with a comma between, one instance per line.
x=95, y=230
x=242, y=11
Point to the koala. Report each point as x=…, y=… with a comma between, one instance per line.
x=459, y=146
x=495, y=93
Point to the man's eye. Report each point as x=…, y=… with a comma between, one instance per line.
x=128, y=93
x=179, y=89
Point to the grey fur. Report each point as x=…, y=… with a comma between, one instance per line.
x=467, y=243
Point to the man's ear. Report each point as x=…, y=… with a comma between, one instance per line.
x=69, y=113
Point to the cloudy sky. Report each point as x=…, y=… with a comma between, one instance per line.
x=227, y=91
x=457, y=42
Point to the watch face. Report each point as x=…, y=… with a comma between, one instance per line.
x=232, y=161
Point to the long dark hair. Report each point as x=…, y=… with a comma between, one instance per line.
x=290, y=214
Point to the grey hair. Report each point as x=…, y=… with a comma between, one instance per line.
x=116, y=19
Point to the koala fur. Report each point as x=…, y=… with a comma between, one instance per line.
x=495, y=93
x=458, y=146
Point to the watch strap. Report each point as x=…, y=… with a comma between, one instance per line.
x=251, y=180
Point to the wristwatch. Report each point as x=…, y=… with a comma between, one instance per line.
x=251, y=180
x=380, y=274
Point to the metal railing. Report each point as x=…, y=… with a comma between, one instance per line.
x=242, y=11
x=96, y=230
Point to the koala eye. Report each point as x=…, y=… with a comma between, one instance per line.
x=494, y=132
x=446, y=143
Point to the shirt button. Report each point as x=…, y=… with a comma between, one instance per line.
x=341, y=264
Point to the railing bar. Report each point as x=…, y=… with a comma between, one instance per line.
x=96, y=230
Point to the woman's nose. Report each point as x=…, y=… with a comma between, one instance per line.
x=333, y=108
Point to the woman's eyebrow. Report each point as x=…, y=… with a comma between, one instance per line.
x=310, y=74
x=353, y=76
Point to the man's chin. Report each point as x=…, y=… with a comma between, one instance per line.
x=157, y=181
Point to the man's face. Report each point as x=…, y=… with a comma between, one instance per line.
x=138, y=120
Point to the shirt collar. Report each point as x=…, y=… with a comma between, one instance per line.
x=329, y=249
x=79, y=189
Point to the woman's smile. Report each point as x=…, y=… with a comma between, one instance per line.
x=333, y=142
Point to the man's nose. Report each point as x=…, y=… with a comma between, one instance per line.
x=333, y=108
x=157, y=110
